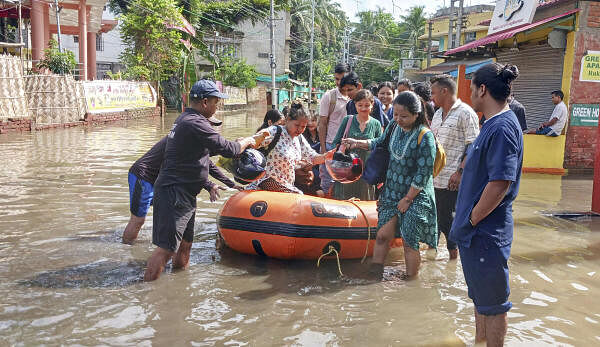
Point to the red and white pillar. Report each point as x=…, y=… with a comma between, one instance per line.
x=37, y=29
x=82, y=19
x=91, y=56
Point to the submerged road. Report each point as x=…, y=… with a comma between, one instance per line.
x=65, y=278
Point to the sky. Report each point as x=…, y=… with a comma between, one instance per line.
x=400, y=7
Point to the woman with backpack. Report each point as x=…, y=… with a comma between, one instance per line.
x=287, y=151
x=406, y=206
x=359, y=126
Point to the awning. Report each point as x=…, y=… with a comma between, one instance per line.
x=451, y=67
x=506, y=34
x=470, y=68
x=278, y=79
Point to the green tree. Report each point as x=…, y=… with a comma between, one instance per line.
x=236, y=73
x=58, y=62
x=153, y=50
x=330, y=22
x=413, y=25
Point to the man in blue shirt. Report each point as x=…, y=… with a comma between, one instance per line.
x=483, y=225
x=350, y=85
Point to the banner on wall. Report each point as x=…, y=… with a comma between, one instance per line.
x=115, y=96
x=584, y=115
x=590, y=67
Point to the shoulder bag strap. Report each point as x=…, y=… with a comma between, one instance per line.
x=421, y=134
x=332, y=102
x=348, y=124
x=386, y=142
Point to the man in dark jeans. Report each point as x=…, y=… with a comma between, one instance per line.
x=455, y=127
x=184, y=173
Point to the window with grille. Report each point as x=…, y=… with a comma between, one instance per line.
x=76, y=39
x=99, y=42
x=470, y=37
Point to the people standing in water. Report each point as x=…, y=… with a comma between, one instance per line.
x=272, y=117
x=483, y=226
x=385, y=93
x=362, y=127
x=184, y=173
x=290, y=152
x=351, y=84
x=404, y=85
x=455, y=126
x=332, y=110
x=423, y=89
x=142, y=176
x=406, y=205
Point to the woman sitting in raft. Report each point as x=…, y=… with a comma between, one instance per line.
x=406, y=205
x=292, y=151
x=362, y=127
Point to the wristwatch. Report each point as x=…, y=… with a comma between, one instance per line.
x=459, y=170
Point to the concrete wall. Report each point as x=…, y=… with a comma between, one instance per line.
x=582, y=140
x=256, y=40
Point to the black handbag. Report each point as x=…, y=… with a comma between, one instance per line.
x=379, y=159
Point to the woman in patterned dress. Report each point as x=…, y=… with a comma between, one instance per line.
x=291, y=152
x=362, y=127
x=406, y=205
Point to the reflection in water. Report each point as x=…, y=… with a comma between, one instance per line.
x=99, y=274
x=67, y=277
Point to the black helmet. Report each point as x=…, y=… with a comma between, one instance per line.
x=249, y=166
x=344, y=168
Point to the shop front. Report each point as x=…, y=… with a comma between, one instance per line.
x=548, y=50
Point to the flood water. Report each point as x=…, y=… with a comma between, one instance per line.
x=65, y=278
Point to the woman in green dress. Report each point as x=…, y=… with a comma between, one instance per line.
x=362, y=127
x=406, y=205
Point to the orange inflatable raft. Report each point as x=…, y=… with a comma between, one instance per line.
x=295, y=226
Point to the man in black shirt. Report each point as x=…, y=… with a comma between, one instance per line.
x=141, y=177
x=184, y=173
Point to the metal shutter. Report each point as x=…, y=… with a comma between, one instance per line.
x=540, y=72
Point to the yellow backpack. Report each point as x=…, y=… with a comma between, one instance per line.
x=440, y=154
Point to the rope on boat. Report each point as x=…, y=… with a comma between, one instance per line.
x=352, y=201
x=337, y=256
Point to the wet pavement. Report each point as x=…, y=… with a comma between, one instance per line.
x=67, y=279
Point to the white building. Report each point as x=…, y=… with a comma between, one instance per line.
x=109, y=45
x=252, y=43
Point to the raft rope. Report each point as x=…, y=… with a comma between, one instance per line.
x=353, y=202
x=333, y=250
x=337, y=256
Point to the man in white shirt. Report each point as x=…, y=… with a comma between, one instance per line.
x=455, y=126
x=331, y=110
x=558, y=119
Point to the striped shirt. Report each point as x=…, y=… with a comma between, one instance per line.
x=454, y=133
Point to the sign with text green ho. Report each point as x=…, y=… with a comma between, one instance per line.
x=585, y=115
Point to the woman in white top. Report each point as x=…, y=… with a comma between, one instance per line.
x=292, y=151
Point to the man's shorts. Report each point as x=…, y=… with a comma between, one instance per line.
x=486, y=273
x=546, y=131
x=173, y=219
x=140, y=195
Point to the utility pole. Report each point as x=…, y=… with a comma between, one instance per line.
x=450, y=26
x=274, y=96
x=460, y=22
x=214, y=53
x=57, y=9
x=21, y=37
x=429, y=28
x=312, y=44
x=346, y=52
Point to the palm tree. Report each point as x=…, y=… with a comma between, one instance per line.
x=414, y=25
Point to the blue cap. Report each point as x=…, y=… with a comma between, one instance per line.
x=205, y=88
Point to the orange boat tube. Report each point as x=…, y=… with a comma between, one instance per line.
x=295, y=226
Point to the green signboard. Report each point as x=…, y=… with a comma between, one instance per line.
x=584, y=115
